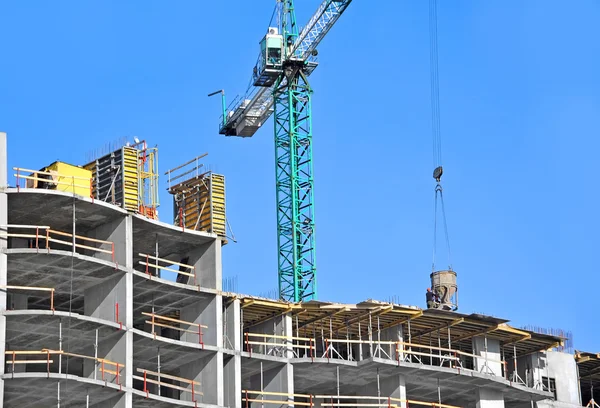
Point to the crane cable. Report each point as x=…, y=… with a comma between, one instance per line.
x=435, y=125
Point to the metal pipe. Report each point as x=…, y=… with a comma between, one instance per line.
x=158, y=368
x=96, y=357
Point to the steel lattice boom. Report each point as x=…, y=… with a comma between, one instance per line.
x=279, y=84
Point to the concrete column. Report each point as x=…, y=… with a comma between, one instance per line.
x=207, y=260
x=279, y=379
x=489, y=362
x=129, y=369
x=232, y=369
x=3, y=261
x=394, y=333
x=488, y=398
x=394, y=387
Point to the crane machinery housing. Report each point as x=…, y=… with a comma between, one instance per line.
x=280, y=86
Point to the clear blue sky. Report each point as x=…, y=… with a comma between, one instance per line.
x=520, y=102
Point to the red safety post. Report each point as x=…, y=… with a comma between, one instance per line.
x=18, y=181
x=145, y=387
x=13, y=362
x=193, y=395
x=248, y=349
x=117, y=316
x=310, y=345
x=52, y=300
x=311, y=400
x=37, y=238
x=200, y=339
x=112, y=250
x=147, y=265
x=389, y=402
x=92, y=189
x=246, y=391
x=48, y=240
x=327, y=349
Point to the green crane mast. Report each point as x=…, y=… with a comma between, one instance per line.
x=280, y=86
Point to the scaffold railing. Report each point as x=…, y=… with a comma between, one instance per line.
x=156, y=380
x=73, y=182
x=44, y=236
x=278, y=345
x=32, y=288
x=163, y=321
x=309, y=400
x=152, y=262
x=103, y=366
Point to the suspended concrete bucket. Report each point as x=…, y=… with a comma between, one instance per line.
x=443, y=283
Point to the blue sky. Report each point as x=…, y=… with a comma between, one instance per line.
x=520, y=102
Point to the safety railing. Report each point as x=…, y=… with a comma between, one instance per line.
x=109, y=371
x=156, y=380
x=42, y=237
x=310, y=400
x=258, y=397
x=152, y=262
x=163, y=321
x=35, y=177
x=32, y=288
x=416, y=353
x=368, y=401
x=270, y=344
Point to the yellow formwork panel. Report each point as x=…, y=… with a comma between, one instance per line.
x=130, y=179
x=218, y=204
x=73, y=179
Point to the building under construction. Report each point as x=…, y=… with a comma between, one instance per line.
x=103, y=305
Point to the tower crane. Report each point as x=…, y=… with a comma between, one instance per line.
x=279, y=86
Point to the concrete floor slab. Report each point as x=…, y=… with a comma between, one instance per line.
x=173, y=353
x=154, y=401
x=53, y=269
x=30, y=206
x=38, y=329
x=33, y=390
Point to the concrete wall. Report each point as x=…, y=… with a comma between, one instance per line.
x=202, y=312
x=101, y=300
x=207, y=260
x=563, y=369
x=207, y=371
x=278, y=379
x=488, y=362
x=3, y=260
x=114, y=231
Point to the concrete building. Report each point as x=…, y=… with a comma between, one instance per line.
x=90, y=320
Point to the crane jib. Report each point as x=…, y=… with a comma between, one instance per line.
x=256, y=107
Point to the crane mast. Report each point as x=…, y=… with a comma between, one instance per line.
x=279, y=86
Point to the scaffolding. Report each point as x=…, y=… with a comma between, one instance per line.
x=128, y=178
x=198, y=198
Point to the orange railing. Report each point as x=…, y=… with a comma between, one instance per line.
x=54, y=178
x=147, y=373
x=33, y=288
x=46, y=235
x=191, y=270
x=161, y=323
x=332, y=401
x=272, y=343
x=102, y=362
